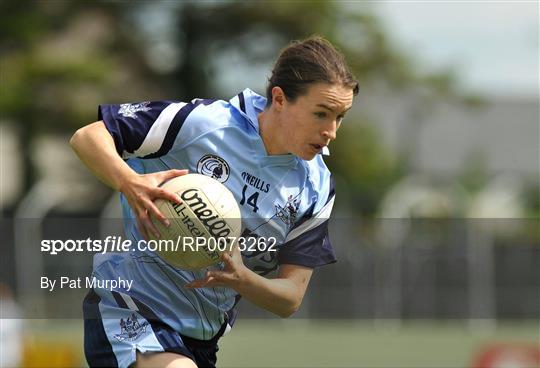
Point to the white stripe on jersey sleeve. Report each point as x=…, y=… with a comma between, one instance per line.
x=156, y=135
x=322, y=216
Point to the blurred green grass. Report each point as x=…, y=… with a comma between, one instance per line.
x=345, y=343
x=338, y=343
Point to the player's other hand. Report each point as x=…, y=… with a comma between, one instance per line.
x=232, y=275
x=142, y=190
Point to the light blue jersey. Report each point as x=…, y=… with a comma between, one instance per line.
x=280, y=196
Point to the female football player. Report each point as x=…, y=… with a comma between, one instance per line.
x=268, y=153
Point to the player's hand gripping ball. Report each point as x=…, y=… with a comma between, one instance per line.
x=204, y=225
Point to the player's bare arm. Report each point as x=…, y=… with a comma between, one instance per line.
x=282, y=295
x=95, y=147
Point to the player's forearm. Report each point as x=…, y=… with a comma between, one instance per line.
x=279, y=296
x=95, y=147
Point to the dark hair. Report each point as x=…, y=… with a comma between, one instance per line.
x=302, y=63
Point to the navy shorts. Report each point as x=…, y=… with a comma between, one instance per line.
x=114, y=332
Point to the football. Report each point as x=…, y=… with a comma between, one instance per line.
x=203, y=226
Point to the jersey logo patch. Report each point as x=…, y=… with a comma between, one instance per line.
x=130, y=329
x=287, y=213
x=130, y=110
x=214, y=167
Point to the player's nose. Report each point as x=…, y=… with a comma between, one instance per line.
x=329, y=133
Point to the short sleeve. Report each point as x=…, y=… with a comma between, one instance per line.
x=308, y=242
x=146, y=129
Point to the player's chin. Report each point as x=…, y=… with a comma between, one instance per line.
x=307, y=156
x=306, y=152
x=310, y=152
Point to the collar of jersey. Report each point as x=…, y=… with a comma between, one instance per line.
x=254, y=104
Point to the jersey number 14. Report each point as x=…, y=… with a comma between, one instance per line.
x=251, y=200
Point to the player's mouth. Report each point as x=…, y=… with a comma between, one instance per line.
x=317, y=147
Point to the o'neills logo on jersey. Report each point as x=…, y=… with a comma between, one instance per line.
x=255, y=182
x=131, y=110
x=215, y=225
x=214, y=167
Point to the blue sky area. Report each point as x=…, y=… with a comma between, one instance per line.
x=492, y=45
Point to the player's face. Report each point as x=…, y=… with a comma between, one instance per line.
x=312, y=120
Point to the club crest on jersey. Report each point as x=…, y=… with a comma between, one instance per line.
x=130, y=329
x=130, y=110
x=214, y=167
x=287, y=213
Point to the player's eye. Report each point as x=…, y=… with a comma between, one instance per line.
x=340, y=118
x=320, y=114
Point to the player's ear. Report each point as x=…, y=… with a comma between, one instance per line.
x=278, y=98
